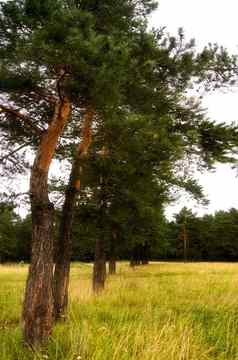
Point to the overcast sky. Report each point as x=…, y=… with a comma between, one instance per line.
x=208, y=21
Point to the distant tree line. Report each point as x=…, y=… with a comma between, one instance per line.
x=208, y=238
x=15, y=235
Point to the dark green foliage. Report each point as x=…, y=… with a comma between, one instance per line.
x=217, y=141
x=15, y=235
x=102, y=49
x=211, y=237
x=138, y=171
x=7, y=231
x=23, y=235
x=90, y=42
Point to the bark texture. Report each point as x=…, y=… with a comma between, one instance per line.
x=38, y=302
x=64, y=244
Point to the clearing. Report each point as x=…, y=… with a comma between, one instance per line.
x=162, y=311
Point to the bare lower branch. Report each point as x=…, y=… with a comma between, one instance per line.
x=10, y=154
x=25, y=118
x=45, y=96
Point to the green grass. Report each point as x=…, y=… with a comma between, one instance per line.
x=164, y=311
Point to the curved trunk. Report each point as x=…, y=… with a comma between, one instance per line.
x=64, y=244
x=38, y=302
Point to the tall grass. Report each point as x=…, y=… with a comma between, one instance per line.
x=164, y=311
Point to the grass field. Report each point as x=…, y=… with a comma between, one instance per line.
x=164, y=311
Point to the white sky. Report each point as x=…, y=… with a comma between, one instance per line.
x=208, y=21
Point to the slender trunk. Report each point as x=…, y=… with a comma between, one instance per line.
x=185, y=243
x=63, y=255
x=64, y=245
x=112, y=255
x=132, y=263
x=99, y=267
x=38, y=302
x=145, y=254
x=135, y=256
x=112, y=266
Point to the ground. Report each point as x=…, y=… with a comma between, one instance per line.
x=163, y=311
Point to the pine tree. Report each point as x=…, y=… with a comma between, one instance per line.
x=57, y=57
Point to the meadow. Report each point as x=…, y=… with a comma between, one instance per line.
x=162, y=311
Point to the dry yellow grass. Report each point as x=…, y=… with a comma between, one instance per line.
x=164, y=311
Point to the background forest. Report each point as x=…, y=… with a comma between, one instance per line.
x=209, y=238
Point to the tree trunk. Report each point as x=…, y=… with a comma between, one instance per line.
x=64, y=244
x=145, y=262
x=112, y=266
x=145, y=254
x=132, y=263
x=185, y=243
x=99, y=268
x=135, y=256
x=63, y=255
x=112, y=255
x=38, y=302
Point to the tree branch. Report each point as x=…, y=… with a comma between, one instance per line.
x=42, y=94
x=25, y=118
x=6, y=157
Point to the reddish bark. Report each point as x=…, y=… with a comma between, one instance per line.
x=64, y=245
x=38, y=302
